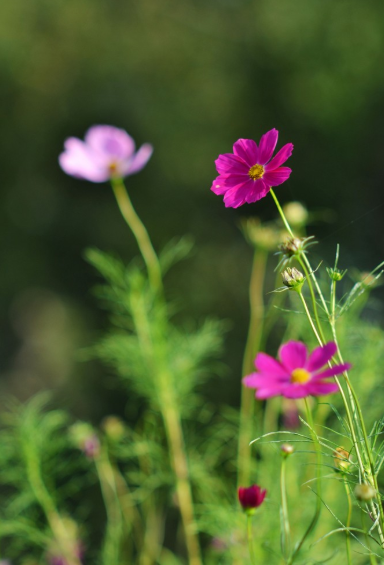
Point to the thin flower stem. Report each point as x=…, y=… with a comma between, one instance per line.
x=250, y=540
x=314, y=305
x=316, y=516
x=286, y=537
x=139, y=231
x=348, y=523
x=253, y=343
x=310, y=319
x=372, y=557
x=305, y=259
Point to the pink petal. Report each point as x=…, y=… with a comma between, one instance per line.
x=236, y=196
x=218, y=186
x=320, y=389
x=247, y=150
x=278, y=176
x=262, y=380
x=296, y=391
x=280, y=157
x=79, y=161
x=268, y=365
x=258, y=190
x=332, y=371
x=269, y=391
x=231, y=164
x=321, y=355
x=139, y=160
x=267, y=146
x=293, y=355
x=111, y=142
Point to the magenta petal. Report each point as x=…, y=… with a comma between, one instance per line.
x=293, y=355
x=218, y=186
x=247, y=150
x=262, y=380
x=111, y=142
x=78, y=161
x=231, y=164
x=257, y=190
x=268, y=391
x=296, y=391
x=321, y=355
x=267, y=146
x=280, y=157
x=332, y=371
x=139, y=160
x=236, y=196
x=278, y=176
x=268, y=365
x=320, y=389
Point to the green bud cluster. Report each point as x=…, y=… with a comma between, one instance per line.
x=293, y=279
x=335, y=274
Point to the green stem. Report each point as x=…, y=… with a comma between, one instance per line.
x=314, y=304
x=348, y=523
x=139, y=231
x=250, y=540
x=253, y=342
x=114, y=529
x=372, y=557
x=286, y=534
x=316, y=516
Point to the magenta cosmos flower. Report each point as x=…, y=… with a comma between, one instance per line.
x=247, y=174
x=251, y=497
x=106, y=152
x=295, y=374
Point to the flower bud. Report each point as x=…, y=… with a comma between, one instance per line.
x=293, y=279
x=113, y=427
x=335, y=274
x=341, y=459
x=251, y=498
x=85, y=438
x=286, y=449
x=364, y=492
x=263, y=236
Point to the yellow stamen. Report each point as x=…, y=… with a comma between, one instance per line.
x=300, y=376
x=256, y=172
x=113, y=168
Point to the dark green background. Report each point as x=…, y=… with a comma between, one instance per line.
x=190, y=77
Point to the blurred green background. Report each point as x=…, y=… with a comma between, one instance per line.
x=191, y=77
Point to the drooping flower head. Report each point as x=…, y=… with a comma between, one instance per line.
x=247, y=174
x=296, y=374
x=251, y=497
x=106, y=152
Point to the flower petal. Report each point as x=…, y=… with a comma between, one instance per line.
x=296, y=391
x=111, y=142
x=257, y=190
x=278, y=176
x=293, y=355
x=280, y=157
x=227, y=164
x=247, y=150
x=321, y=389
x=267, y=146
x=332, y=371
x=218, y=185
x=79, y=161
x=262, y=380
x=321, y=355
x=270, y=366
x=236, y=196
x=139, y=160
x=268, y=391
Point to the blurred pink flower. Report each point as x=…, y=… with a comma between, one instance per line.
x=295, y=375
x=251, y=497
x=106, y=153
x=247, y=174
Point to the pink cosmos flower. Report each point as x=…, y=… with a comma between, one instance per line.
x=295, y=375
x=247, y=174
x=107, y=152
x=251, y=497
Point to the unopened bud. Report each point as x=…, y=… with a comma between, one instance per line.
x=293, y=279
x=85, y=438
x=286, y=449
x=113, y=427
x=264, y=236
x=335, y=274
x=341, y=459
x=365, y=493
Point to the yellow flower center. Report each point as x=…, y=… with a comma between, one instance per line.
x=300, y=376
x=113, y=168
x=256, y=172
